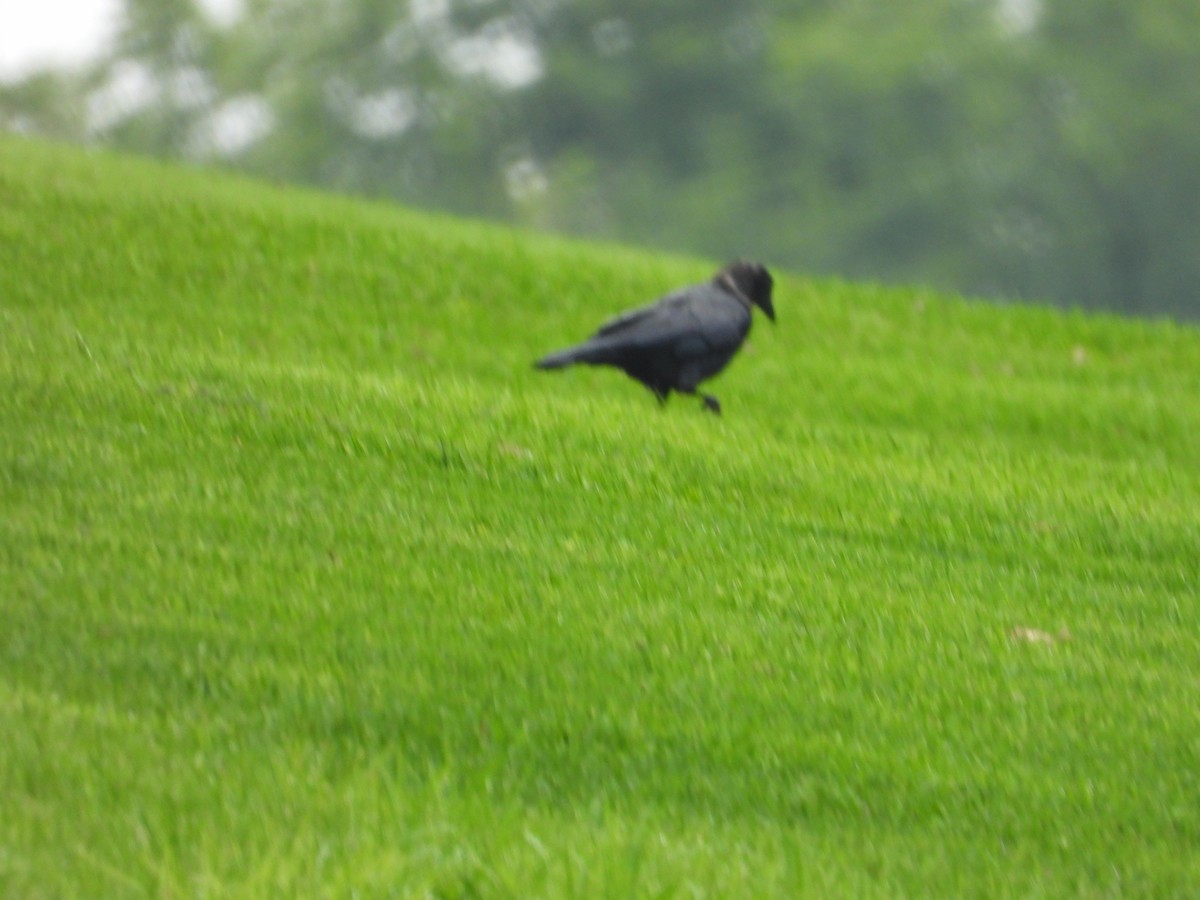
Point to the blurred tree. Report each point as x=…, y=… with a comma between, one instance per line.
x=157, y=83
x=48, y=103
x=1011, y=148
x=1127, y=98
x=364, y=97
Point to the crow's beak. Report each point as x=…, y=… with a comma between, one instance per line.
x=765, y=303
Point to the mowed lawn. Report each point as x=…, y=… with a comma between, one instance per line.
x=311, y=586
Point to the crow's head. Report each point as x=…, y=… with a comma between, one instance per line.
x=752, y=281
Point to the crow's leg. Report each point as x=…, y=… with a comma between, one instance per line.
x=711, y=403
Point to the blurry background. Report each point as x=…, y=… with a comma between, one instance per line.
x=1043, y=150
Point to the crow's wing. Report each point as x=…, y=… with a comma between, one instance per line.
x=639, y=331
x=673, y=344
x=696, y=321
x=655, y=316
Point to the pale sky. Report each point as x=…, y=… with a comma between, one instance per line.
x=35, y=33
x=52, y=32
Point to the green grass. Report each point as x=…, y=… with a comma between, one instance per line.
x=311, y=585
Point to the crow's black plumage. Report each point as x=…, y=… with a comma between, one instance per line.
x=684, y=338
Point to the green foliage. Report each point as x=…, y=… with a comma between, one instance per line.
x=311, y=585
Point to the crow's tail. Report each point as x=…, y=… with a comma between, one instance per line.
x=595, y=352
x=563, y=358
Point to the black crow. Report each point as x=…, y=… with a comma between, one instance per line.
x=684, y=338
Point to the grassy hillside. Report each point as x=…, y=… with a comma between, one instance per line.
x=311, y=585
